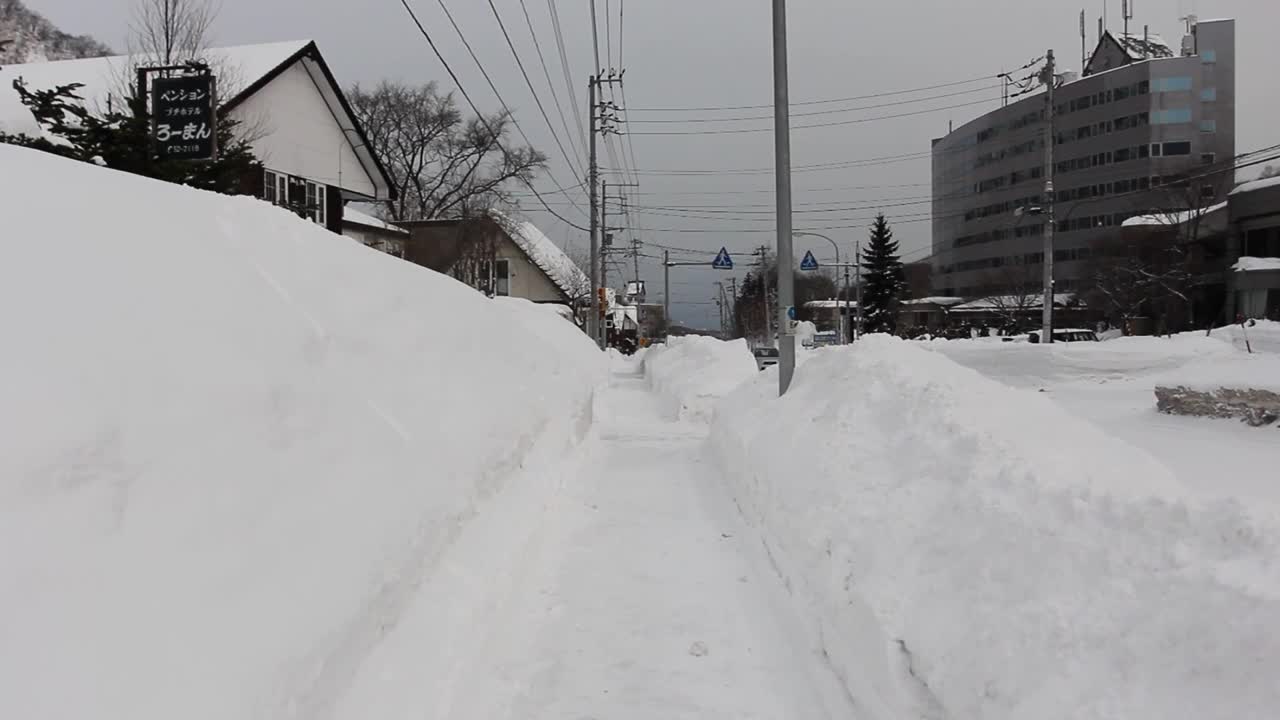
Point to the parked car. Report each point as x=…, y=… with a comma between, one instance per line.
x=765, y=357
x=1066, y=335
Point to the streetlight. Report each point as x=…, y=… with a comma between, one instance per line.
x=834, y=246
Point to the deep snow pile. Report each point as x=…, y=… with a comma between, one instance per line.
x=1190, y=359
x=1263, y=337
x=232, y=444
x=690, y=374
x=972, y=551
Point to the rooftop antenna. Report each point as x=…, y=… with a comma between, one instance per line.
x=1126, y=9
x=1106, y=21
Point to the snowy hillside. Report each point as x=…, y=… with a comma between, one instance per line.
x=34, y=39
x=970, y=550
x=233, y=445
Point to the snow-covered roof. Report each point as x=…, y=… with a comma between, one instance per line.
x=1256, y=264
x=1253, y=185
x=937, y=300
x=546, y=255
x=106, y=79
x=356, y=217
x=1173, y=218
x=829, y=304
x=1139, y=47
x=1006, y=302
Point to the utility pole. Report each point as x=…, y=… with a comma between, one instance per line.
x=847, y=316
x=1050, y=81
x=593, y=322
x=635, y=260
x=605, y=243
x=602, y=122
x=720, y=304
x=782, y=169
x=733, y=306
x=857, y=259
x=666, y=290
x=763, y=252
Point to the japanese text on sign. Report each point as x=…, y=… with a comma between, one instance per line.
x=185, y=120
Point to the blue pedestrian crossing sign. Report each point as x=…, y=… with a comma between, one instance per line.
x=810, y=263
x=723, y=261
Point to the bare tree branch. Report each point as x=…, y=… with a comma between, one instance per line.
x=442, y=164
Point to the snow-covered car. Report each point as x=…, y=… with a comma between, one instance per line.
x=1065, y=335
x=765, y=357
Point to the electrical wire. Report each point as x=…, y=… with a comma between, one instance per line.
x=480, y=116
x=840, y=123
x=816, y=113
x=538, y=100
x=555, y=96
x=820, y=102
x=558, y=32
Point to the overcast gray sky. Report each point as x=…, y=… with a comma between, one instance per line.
x=699, y=53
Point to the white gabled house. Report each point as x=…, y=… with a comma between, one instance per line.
x=290, y=107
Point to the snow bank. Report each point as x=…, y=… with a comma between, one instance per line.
x=973, y=551
x=690, y=374
x=1263, y=337
x=232, y=444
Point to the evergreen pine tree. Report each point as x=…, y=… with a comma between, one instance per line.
x=883, y=279
x=121, y=140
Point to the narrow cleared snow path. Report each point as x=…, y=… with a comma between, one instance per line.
x=621, y=585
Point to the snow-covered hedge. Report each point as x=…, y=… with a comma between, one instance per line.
x=972, y=551
x=232, y=443
x=691, y=374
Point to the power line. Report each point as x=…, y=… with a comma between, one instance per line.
x=741, y=131
x=520, y=64
x=480, y=116
x=823, y=102
x=816, y=113
x=919, y=217
x=558, y=31
x=555, y=96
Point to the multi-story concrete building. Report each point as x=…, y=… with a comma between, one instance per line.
x=1145, y=128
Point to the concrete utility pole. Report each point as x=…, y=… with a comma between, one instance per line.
x=666, y=290
x=764, y=291
x=606, y=240
x=857, y=259
x=1049, y=198
x=593, y=180
x=782, y=169
x=733, y=306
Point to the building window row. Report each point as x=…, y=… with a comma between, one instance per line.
x=1084, y=132
x=1017, y=177
x=997, y=235
x=1138, y=152
x=1012, y=151
x=1033, y=258
x=1093, y=221
x=1001, y=208
x=1119, y=187
x=1103, y=97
